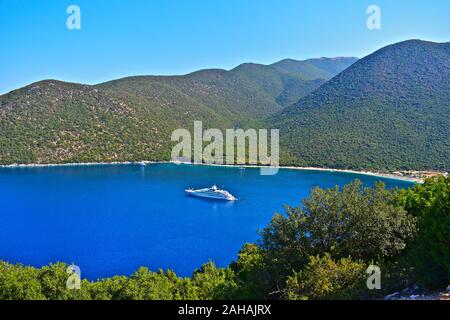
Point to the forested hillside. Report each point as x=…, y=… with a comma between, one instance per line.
x=390, y=110
x=132, y=118
x=387, y=111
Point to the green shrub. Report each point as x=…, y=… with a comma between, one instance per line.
x=429, y=253
x=214, y=283
x=361, y=223
x=252, y=274
x=325, y=278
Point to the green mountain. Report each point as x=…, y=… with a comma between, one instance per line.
x=132, y=118
x=322, y=68
x=389, y=110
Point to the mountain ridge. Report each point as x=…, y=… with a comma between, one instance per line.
x=349, y=60
x=132, y=118
x=389, y=110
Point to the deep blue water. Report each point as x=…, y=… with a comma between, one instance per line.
x=111, y=219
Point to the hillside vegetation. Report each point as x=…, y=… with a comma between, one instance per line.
x=133, y=118
x=390, y=110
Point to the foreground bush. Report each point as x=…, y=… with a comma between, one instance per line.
x=325, y=278
x=18, y=282
x=429, y=254
x=361, y=223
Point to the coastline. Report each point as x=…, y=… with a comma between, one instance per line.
x=75, y=164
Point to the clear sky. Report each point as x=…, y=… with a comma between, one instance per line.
x=130, y=37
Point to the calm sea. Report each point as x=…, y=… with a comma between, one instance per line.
x=111, y=219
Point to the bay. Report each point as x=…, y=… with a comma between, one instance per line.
x=111, y=219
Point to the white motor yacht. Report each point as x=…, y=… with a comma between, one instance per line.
x=213, y=193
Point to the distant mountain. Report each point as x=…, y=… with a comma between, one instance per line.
x=289, y=80
x=322, y=68
x=389, y=110
x=132, y=118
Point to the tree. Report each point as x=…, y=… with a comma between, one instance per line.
x=214, y=283
x=252, y=274
x=325, y=278
x=53, y=279
x=429, y=253
x=109, y=289
x=147, y=285
x=19, y=283
x=361, y=223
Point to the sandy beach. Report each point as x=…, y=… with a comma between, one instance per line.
x=362, y=172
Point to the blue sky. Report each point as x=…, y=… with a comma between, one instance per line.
x=120, y=38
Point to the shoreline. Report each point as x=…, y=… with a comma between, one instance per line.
x=80, y=164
